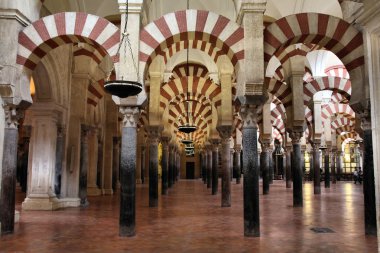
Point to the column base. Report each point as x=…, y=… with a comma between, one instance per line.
x=107, y=192
x=48, y=203
x=93, y=191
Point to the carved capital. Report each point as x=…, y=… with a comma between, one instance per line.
x=154, y=134
x=249, y=116
x=265, y=146
x=225, y=133
x=365, y=118
x=296, y=137
x=165, y=139
x=61, y=131
x=130, y=116
x=116, y=140
x=237, y=148
x=215, y=144
x=12, y=116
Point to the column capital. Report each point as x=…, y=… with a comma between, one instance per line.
x=249, y=116
x=61, y=130
x=265, y=146
x=130, y=116
x=251, y=6
x=225, y=133
x=12, y=116
x=365, y=117
x=154, y=134
x=85, y=130
x=116, y=140
x=237, y=148
x=165, y=139
x=215, y=142
x=296, y=137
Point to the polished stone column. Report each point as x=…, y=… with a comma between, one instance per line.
x=264, y=164
x=316, y=167
x=333, y=166
x=154, y=133
x=24, y=158
x=209, y=165
x=9, y=165
x=251, y=172
x=311, y=161
x=231, y=165
x=338, y=165
x=127, y=219
x=171, y=165
x=115, y=162
x=99, y=167
x=92, y=188
x=59, y=159
x=237, y=166
x=215, y=162
x=368, y=178
x=83, y=166
x=303, y=161
x=225, y=133
x=288, y=167
x=270, y=165
x=297, y=169
x=327, y=168
x=178, y=166
x=143, y=165
x=165, y=164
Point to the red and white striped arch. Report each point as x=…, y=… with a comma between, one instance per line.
x=331, y=109
x=195, y=69
x=342, y=121
x=349, y=136
x=345, y=128
x=329, y=32
x=45, y=34
x=199, y=87
x=326, y=83
x=197, y=25
x=338, y=70
x=282, y=91
x=276, y=135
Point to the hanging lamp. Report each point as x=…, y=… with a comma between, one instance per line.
x=124, y=88
x=188, y=127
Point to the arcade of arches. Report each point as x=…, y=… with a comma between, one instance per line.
x=282, y=91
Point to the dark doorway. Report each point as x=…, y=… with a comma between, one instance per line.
x=190, y=173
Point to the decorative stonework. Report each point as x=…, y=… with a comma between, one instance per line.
x=225, y=133
x=265, y=147
x=12, y=116
x=296, y=137
x=154, y=134
x=130, y=116
x=249, y=115
x=61, y=131
x=237, y=148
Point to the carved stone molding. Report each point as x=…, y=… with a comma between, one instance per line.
x=154, y=134
x=12, y=116
x=249, y=115
x=225, y=133
x=130, y=116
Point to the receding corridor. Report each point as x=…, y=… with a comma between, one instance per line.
x=190, y=219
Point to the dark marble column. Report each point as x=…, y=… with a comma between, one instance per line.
x=264, y=164
x=127, y=219
x=338, y=164
x=99, y=166
x=297, y=170
x=327, y=168
x=231, y=165
x=225, y=133
x=143, y=165
x=58, y=160
x=177, y=165
x=288, y=168
x=171, y=165
x=368, y=178
x=83, y=166
x=9, y=171
x=333, y=166
x=209, y=165
x=215, y=161
x=237, y=166
x=154, y=133
x=204, y=164
x=115, y=162
x=316, y=168
x=251, y=172
x=311, y=161
x=26, y=133
x=165, y=164
x=270, y=165
x=303, y=161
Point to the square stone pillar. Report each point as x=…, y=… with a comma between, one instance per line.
x=42, y=155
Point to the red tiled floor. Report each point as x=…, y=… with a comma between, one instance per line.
x=190, y=219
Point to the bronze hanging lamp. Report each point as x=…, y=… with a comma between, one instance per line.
x=124, y=88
